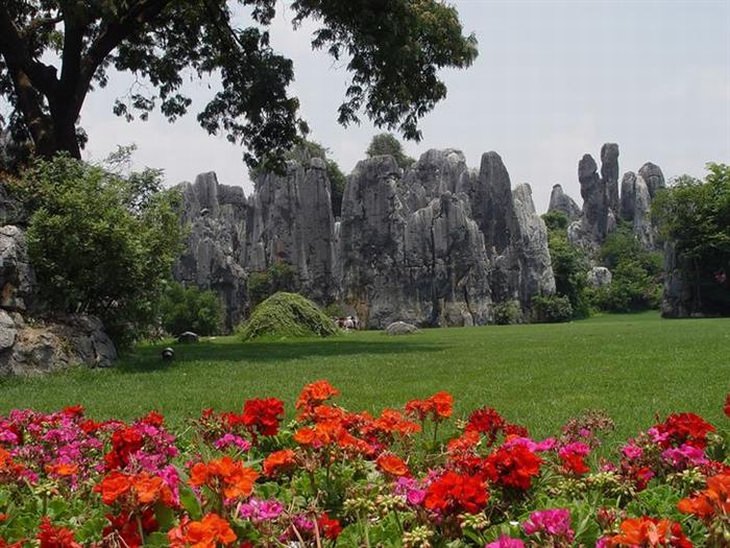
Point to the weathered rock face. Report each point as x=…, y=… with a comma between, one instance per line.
x=652, y=174
x=291, y=221
x=213, y=256
x=17, y=278
x=562, y=203
x=52, y=345
x=642, y=226
x=595, y=220
x=599, y=276
x=609, y=174
x=678, y=300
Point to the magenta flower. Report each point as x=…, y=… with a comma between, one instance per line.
x=261, y=510
x=632, y=451
x=685, y=456
x=231, y=440
x=552, y=523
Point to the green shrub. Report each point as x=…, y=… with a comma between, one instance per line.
x=551, y=309
x=285, y=315
x=101, y=243
x=507, y=313
x=190, y=309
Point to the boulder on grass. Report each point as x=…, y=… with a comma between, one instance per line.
x=286, y=315
x=401, y=328
x=188, y=337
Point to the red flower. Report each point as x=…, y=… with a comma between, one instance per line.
x=126, y=527
x=330, y=528
x=486, y=421
x=74, y=410
x=438, y=407
x=455, y=493
x=685, y=428
x=727, y=405
x=513, y=466
x=715, y=500
x=262, y=416
x=55, y=537
x=649, y=532
x=125, y=442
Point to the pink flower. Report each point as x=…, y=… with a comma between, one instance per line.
x=411, y=490
x=574, y=448
x=229, y=440
x=632, y=451
x=506, y=542
x=685, y=456
x=553, y=523
x=261, y=510
x=547, y=444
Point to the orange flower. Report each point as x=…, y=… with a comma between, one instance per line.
x=150, y=488
x=113, y=486
x=443, y=404
x=206, y=533
x=279, y=462
x=393, y=465
x=392, y=421
x=231, y=476
x=438, y=407
x=713, y=500
x=62, y=469
x=649, y=532
x=312, y=395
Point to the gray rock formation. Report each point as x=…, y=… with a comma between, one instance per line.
x=609, y=174
x=678, y=299
x=291, y=221
x=216, y=217
x=599, y=276
x=595, y=219
x=562, y=203
x=642, y=226
x=17, y=278
x=628, y=197
x=652, y=174
x=46, y=346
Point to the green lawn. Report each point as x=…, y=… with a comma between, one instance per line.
x=633, y=366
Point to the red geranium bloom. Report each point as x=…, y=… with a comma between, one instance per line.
x=262, y=416
x=330, y=528
x=125, y=442
x=727, y=405
x=74, y=410
x=235, y=480
x=55, y=537
x=486, y=421
x=455, y=493
x=685, y=428
x=438, y=407
x=125, y=526
x=513, y=466
x=649, y=532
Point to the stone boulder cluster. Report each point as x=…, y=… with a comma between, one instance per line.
x=31, y=342
x=605, y=202
x=435, y=244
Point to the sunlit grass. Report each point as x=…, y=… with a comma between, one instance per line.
x=632, y=366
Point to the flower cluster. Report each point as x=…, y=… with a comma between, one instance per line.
x=337, y=477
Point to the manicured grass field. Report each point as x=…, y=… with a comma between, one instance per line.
x=632, y=366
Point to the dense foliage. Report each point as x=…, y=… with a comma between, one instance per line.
x=190, y=309
x=280, y=276
x=637, y=274
x=694, y=216
x=570, y=265
x=54, y=53
x=551, y=309
x=333, y=477
x=285, y=315
x=387, y=144
x=101, y=243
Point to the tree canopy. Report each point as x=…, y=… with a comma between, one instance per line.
x=388, y=144
x=53, y=53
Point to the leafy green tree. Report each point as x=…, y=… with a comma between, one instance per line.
x=387, y=144
x=694, y=216
x=279, y=277
x=190, y=309
x=54, y=53
x=101, y=243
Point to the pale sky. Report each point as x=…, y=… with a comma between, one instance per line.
x=554, y=80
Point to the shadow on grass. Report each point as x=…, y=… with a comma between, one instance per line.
x=148, y=358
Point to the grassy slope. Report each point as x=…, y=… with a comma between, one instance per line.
x=538, y=375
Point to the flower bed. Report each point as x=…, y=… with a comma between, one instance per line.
x=336, y=477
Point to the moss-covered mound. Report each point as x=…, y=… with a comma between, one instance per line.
x=287, y=315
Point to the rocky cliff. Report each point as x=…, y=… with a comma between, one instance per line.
x=436, y=244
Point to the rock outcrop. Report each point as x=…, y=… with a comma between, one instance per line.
x=17, y=278
x=215, y=216
x=562, y=203
x=652, y=174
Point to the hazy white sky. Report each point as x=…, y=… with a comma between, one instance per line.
x=554, y=80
